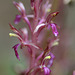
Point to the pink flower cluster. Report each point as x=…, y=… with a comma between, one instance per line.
x=40, y=63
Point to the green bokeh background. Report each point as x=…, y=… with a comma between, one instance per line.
x=64, y=63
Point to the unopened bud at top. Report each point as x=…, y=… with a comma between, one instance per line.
x=19, y=6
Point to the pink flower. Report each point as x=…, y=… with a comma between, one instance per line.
x=40, y=61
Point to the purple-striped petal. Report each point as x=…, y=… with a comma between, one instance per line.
x=54, y=29
x=51, y=60
x=17, y=19
x=47, y=71
x=15, y=49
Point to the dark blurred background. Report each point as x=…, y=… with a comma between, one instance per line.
x=64, y=64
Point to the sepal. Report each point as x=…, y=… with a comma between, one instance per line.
x=39, y=28
x=15, y=49
x=20, y=7
x=54, y=29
